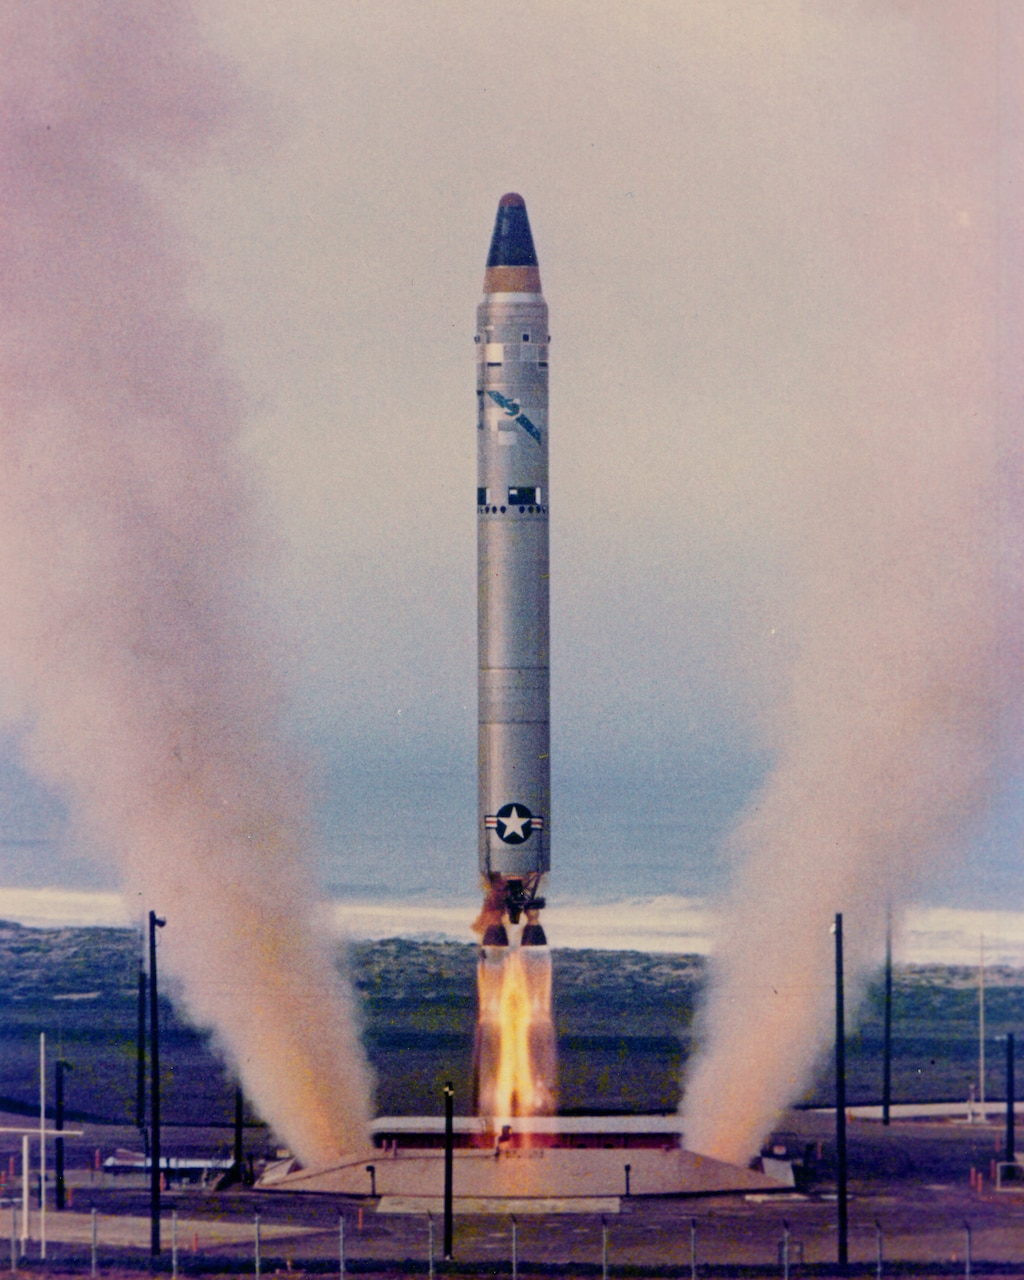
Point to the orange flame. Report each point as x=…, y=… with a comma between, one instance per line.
x=515, y=1049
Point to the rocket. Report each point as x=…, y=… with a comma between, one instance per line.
x=512, y=559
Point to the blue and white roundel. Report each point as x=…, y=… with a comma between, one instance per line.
x=514, y=823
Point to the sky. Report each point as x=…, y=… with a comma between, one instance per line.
x=781, y=251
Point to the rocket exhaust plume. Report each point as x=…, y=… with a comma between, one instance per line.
x=514, y=1054
x=904, y=672
x=515, y=1041
x=146, y=678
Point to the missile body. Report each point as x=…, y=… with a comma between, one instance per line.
x=512, y=554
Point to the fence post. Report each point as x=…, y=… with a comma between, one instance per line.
x=258, y=1260
x=967, y=1249
x=604, y=1249
x=785, y=1249
x=878, y=1250
x=430, y=1245
x=693, y=1249
x=174, y=1243
x=341, y=1245
x=515, y=1250
x=94, y=1243
x=14, y=1234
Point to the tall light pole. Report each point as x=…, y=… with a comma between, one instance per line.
x=840, y=1096
x=887, y=1024
x=981, y=1032
x=239, y=1156
x=154, y=1061
x=42, y=1144
x=62, y=1066
x=1011, y=1148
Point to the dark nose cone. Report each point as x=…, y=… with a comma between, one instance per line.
x=512, y=243
x=512, y=261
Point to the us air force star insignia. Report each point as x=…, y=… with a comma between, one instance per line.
x=514, y=823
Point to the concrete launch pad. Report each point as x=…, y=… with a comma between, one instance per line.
x=570, y=1160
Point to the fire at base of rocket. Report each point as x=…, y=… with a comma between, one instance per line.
x=514, y=1055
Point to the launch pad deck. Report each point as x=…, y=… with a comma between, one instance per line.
x=564, y=1159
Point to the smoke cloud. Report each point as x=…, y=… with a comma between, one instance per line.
x=130, y=645
x=901, y=617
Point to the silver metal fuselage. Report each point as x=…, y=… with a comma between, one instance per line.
x=512, y=546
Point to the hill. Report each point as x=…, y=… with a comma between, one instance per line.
x=624, y=1022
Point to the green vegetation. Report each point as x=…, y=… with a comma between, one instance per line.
x=625, y=1023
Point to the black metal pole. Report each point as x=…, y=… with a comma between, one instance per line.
x=840, y=1097
x=58, y=1124
x=887, y=1027
x=239, y=1105
x=1010, y=1101
x=154, y=1088
x=449, y=1149
x=140, y=1054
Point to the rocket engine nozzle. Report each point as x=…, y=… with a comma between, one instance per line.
x=521, y=896
x=505, y=903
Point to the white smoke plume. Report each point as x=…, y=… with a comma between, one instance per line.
x=147, y=679
x=902, y=618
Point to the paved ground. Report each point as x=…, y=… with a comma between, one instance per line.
x=911, y=1190
x=926, y=1228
